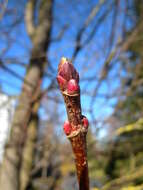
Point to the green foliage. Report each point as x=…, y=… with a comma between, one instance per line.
x=138, y=125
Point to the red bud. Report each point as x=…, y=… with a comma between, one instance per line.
x=62, y=82
x=72, y=86
x=67, y=127
x=67, y=70
x=85, y=122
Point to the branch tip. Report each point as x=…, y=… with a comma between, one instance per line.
x=77, y=125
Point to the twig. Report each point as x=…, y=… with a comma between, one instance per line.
x=77, y=125
x=89, y=19
x=4, y=6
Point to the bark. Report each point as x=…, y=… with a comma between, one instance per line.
x=12, y=158
x=78, y=140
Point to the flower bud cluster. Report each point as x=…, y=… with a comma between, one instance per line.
x=68, y=77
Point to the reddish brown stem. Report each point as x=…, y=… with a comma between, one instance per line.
x=77, y=135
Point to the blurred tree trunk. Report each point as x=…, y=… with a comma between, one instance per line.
x=29, y=149
x=40, y=36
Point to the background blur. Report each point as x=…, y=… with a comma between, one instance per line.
x=104, y=40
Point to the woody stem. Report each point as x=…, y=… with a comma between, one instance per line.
x=78, y=132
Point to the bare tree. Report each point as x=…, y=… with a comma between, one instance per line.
x=94, y=42
x=40, y=35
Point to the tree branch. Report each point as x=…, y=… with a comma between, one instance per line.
x=29, y=17
x=89, y=19
x=77, y=125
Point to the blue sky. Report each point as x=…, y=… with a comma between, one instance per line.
x=88, y=62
